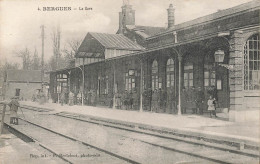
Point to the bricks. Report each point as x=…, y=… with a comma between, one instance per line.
x=236, y=94
x=236, y=100
x=235, y=54
x=236, y=74
x=235, y=61
x=236, y=81
x=236, y=87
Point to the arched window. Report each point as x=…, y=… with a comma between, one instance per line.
x=252, y=64
x=170, y=73
x=155, y=75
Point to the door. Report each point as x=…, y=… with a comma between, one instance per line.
x=17, y=92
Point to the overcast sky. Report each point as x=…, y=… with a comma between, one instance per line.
x=20, y=20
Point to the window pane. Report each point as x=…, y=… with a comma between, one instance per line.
x=191, y=76
x=255, y=55
x=206, y=82
x=168, y=83
x=206, y=75
x=250, y=45
x=213, y=75
x=212, y=82
x=191, y=83
x=172, y=83
x=186, y=75
x=186, y=83
x=251, y=55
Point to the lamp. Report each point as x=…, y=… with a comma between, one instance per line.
x=219, y=56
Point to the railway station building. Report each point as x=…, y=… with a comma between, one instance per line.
x=217, y=53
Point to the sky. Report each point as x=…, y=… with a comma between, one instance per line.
x=20, y=20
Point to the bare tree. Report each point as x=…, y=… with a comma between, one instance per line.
x=35, y=61
x=70, y=50
x=26, y=57
x=56, y=34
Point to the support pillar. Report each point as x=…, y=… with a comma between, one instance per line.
x=179, y=86
x=141, y=86
x=83, y=82
x=236, y=78
x=114, y=80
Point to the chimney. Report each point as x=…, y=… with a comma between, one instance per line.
x=170, y=16
x=120, y=23
x=126, y=16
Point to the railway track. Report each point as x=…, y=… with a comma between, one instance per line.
x=189, y=145
x=69, y=149
x=209, y=152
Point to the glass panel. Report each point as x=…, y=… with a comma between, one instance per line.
x=250, y=45
x=213, y=75
x=186, y=83
x=250, y=65
x=172, y=77
x=251, y=55
x=255, y=55
x=186, y=76
x=206, y=82
x=212, y=82
x=191, y=76
x=172, y=83
x=206, y=75
x=168, y=83
x=191, y=83
x=255, y=65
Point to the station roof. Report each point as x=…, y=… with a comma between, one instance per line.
x=145, y=31
x=95, y=44
x=211, y=17
x=116, y=41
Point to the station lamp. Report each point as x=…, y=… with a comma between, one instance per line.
x=219, y=56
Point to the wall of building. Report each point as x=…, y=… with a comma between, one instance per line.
x=244, y=104
x=26, y=90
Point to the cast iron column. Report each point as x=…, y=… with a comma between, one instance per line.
x=141, y=86
x=179, y=87
x=114, y=79
x=83, y=82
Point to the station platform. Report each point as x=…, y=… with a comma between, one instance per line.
x=191, y=124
